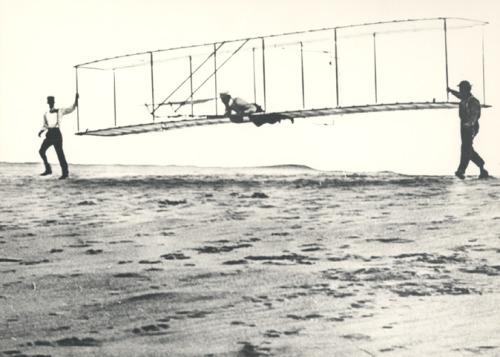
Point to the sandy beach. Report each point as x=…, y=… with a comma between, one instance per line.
x=282, y=261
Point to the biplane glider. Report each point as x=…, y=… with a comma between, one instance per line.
x=375, y=67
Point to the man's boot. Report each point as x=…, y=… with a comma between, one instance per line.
x=64, y=176
x=48, y=170
x=460, y=174
x=484, y=174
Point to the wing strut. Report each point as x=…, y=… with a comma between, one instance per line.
x=190, y=76
x=214, y=72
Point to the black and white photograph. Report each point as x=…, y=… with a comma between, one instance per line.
x=227, y=178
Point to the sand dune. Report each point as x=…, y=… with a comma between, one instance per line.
x=151, y=261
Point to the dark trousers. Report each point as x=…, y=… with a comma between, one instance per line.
x=468, y=153
x=54, y=137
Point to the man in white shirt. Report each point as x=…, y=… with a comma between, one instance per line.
x=239, y=107
x=51, y=123
x=239, y=111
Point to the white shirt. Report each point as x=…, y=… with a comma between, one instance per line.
x=53, y=120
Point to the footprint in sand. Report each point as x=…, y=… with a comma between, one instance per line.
x=151, y=329
x=304, y=318
x=272, y=334
x=69, y=342
x=390, y=240
x=131, y=275
x=235, y=262
x=175, y=256
x=357, y=337
x=238, y=323
x=193, y=314
x=292, y=257
x=312, y=247
x=163, y=203
x=149, y=261
x=221, y=249
x=493, y=270
x=36, y=262
x=250, y=350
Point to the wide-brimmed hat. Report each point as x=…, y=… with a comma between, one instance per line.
x=465, y=84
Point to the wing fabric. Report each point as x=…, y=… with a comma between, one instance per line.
x=264, y=118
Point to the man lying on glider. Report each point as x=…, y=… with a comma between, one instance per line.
x=240, y=111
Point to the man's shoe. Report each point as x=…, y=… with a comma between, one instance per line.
x=63, y=177
x=47, y=172
x=460, y=175
x=484, y=174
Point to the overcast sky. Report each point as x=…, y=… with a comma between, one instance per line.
x=42, y=40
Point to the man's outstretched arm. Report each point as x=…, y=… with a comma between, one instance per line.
x=73, y=107
x=454, y=92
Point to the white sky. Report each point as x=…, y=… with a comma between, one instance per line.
x=41, y=41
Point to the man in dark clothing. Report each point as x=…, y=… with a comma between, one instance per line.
x=469, y=113
x=51, y=123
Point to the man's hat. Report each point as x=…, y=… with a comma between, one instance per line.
x=465, y=84
x=50, y=97
x=224, y=94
